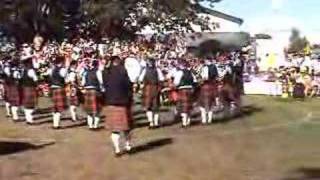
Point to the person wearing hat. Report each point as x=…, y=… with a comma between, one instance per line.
x=118, y=100
x=152, y=79
x=58, y=75
x=92, y=82
x=184, y=81
x=207, y=95
x=28, y=83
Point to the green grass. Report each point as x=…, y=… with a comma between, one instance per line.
x=271, y=142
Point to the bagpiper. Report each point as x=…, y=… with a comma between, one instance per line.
x=184, y=80
x=92, y=82
x=208, y=91
x=14, y=89
x=29, y=94
x=74, y=95
x=7, y=83
x=152, y=79
x=58, y=75
x=118, y=99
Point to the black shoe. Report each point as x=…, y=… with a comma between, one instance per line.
x=56, y=128
x=30, y=123
x=156, y=127
x=118, y=155
x=184, y=127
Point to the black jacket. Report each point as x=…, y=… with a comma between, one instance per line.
x=118, y=88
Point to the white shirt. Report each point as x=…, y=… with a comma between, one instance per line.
x=7, y=71
x=16, y=74
x=133, y=68
x=33, y=75
x=71, y=77
x=204, y=73
x=160, y=75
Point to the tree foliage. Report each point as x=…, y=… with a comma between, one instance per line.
x=113, y=18
x=297, y=43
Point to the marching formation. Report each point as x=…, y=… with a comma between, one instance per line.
x=105, y=86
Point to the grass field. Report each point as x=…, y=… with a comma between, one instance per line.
x=273, y=140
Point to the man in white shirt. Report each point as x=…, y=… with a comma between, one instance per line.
x=207, y=95
x=184, y=81
x=58, y=75
x=152, y=79
x=93, y=84
x=71, y=79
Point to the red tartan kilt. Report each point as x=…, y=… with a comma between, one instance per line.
x=184, y=101
x=151, y=96
x=118, y=118
x=91, y=101
x=14, y=95
x=6, y=91
x=207, y=95
x=59, y=99
x=29, y=97
x=74, y=101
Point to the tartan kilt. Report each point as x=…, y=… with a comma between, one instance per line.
x=6, y=92
x=59, y=99
x=29, y=97
x=207, y=95
x=185, y=100
x=118, y=118
x=91, y=101
x=14, y=95
x=151, y=97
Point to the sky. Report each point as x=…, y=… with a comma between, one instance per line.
x=275, y=15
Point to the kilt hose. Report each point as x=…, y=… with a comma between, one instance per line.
x=91, y=102
x=29, y=97
x=151, y=97
x=207, y=95
x=118, y=118
x=59, y=99
x=185, y=100
x=14, y=95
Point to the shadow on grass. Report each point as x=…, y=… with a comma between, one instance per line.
x=75, y=125
x=7, y=148
x=154, y=144
x=245, y=111
x=141, y=111
x=305, y=174
x=44, y=111
x=226, y=116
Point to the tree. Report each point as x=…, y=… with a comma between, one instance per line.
x=113, y=18
x=297, y=44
